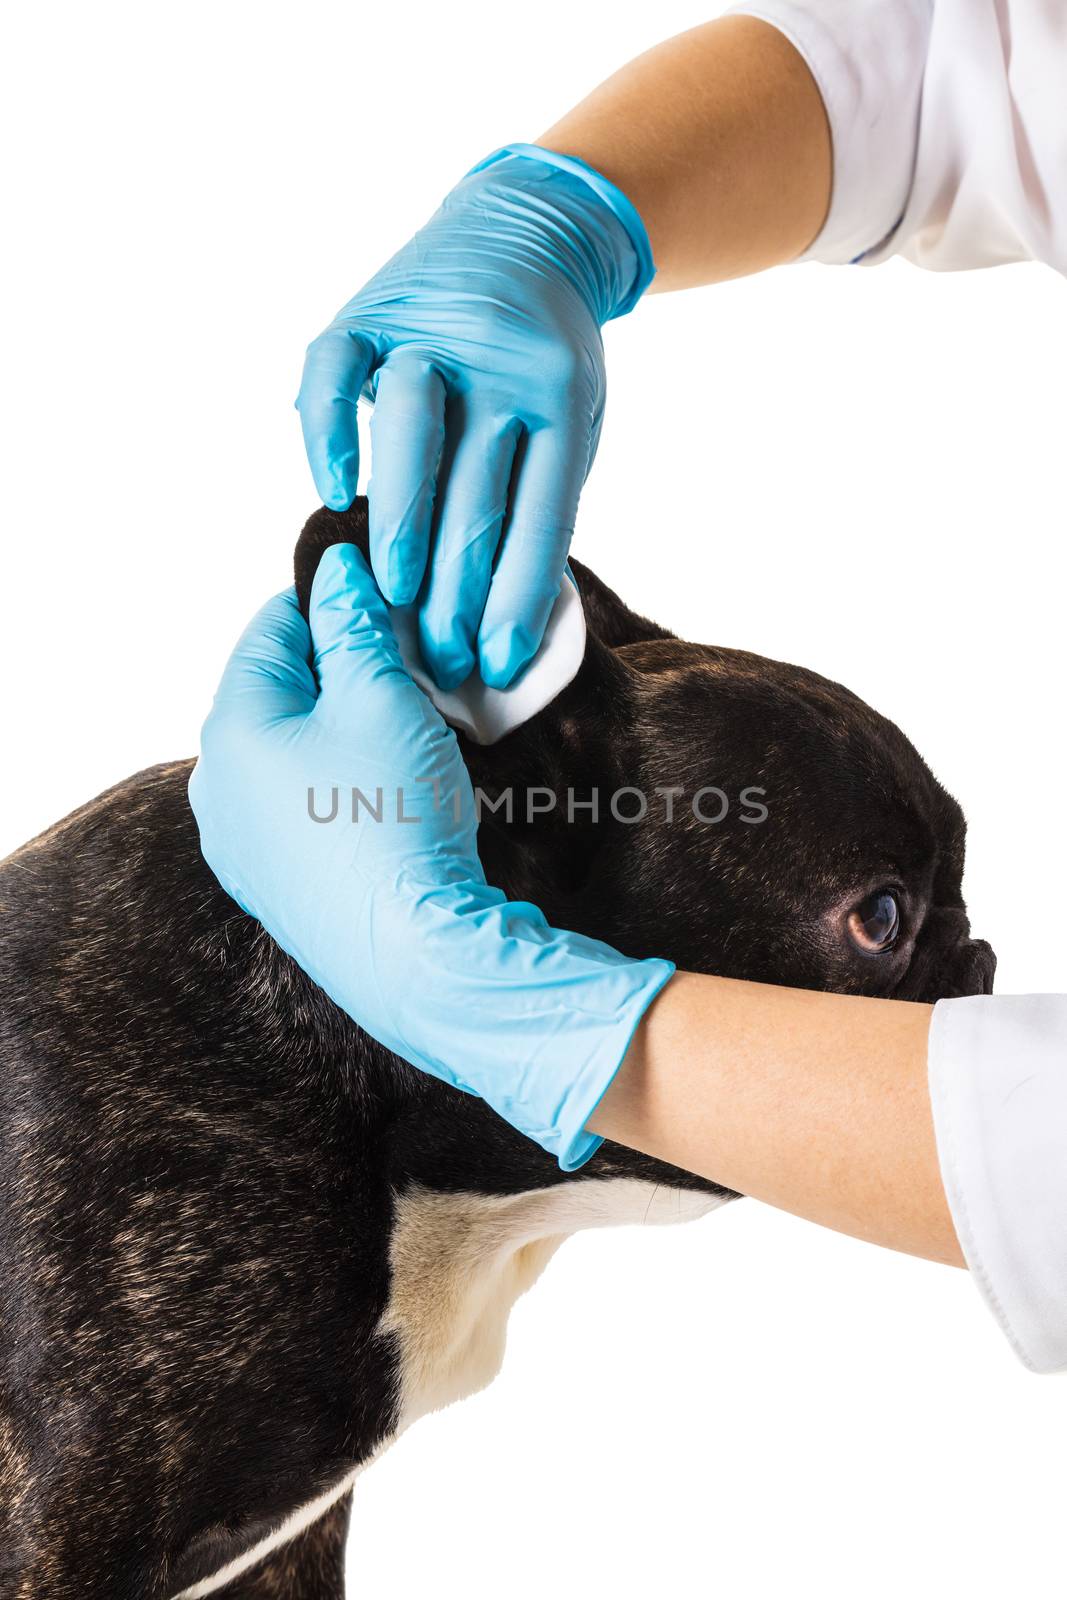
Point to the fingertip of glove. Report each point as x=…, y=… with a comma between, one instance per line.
x=449, y=669
x=400, y=590
x=503, y=652
x=396, y=575
x=341, y=575
x=337, y=497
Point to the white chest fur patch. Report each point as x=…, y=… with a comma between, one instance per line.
x=460, y=1261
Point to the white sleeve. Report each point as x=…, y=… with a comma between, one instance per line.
x=998, y=1087
x=949, y=127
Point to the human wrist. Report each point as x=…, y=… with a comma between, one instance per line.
x=533, y=1019
x=611, y=226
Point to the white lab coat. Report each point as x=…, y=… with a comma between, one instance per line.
x=949, y=127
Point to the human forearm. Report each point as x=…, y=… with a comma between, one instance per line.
x=720, y=138
x=816, y=1103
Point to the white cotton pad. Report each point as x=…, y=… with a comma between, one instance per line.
x=485, y=714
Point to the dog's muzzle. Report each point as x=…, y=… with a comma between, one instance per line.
x=947, y=962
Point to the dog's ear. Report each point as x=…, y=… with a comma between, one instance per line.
x=606, y=617
x=322, y=529
x=579, y=743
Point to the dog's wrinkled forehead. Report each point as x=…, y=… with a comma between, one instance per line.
x=834, y=768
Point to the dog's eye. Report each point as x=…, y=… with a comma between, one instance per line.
x=875, y=923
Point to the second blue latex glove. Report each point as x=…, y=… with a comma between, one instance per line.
x=390, y=913
x=480, y=344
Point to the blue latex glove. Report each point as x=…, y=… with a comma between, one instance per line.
x=395, y=919
x=480, y=345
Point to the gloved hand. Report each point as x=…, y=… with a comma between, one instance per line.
x=480, y=345
x=394, y=918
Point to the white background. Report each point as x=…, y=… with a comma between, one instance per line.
x=857, y=470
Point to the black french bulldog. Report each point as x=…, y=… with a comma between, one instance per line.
x=242, y=1246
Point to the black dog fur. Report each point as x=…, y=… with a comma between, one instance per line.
x=203, y=1162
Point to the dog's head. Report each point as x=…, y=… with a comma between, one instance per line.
x=737, y=815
